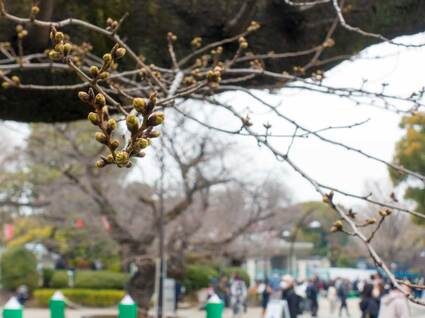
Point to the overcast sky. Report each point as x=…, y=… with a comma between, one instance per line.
x=402, y=68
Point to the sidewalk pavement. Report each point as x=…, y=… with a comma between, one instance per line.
x=417, y=312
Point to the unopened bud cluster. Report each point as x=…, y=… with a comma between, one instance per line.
x=61, y=46
x=21, y=32
x=338, y=226
x=141, y=131
x=7, y=82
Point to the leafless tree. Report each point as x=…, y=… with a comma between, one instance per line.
x=207, y=206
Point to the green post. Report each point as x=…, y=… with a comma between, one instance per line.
x=12, y=309
x=127, y=308
x=57, y=305
x=214, y=307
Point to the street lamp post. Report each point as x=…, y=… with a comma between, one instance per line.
x=161, y=230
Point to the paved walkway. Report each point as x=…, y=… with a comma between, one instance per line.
x=417, y=312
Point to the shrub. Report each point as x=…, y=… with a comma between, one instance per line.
x=19, y=267
x=198, y=276
x=85, y=297
x=47, y=276
x=100, y=280
x=59, y=279
x=90, y=280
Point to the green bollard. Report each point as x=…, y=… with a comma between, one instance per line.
x=127, y=308
x=57, y=305
x=12, y=309
x=214, y=307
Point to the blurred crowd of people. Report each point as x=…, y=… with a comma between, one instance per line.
x=377, y=297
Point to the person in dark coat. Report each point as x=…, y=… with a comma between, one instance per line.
x=369, y=305
x=288, y=294
x=342, y=291
x=265, y=296
x=312, y=293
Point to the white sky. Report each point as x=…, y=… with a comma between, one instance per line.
x=401, y=67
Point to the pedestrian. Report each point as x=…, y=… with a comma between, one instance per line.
x=342, y=292
x=22, y=294
x=394, y=304
x=312, y=293
x=332, y=298
x=288, y=293
x=369, y=305
x=223, y=290
x=238, y=295
x=266, y=290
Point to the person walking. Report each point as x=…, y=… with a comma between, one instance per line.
x=394, y=304
x=238, y=295
x=342, y=292
x=265, y=291
x=332, y=298
x=312, y=293
x=288, y=294
x=369, y=305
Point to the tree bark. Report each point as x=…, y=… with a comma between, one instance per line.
x=284, y=29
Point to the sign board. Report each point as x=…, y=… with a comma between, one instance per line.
x=170, y=296
x=277, y=309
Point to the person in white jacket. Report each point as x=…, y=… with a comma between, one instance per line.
x=394, y=304
x=238, y=295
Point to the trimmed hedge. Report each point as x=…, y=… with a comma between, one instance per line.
x=101, y=280
x=59, y=279
x=85, y=297
x=19, y=267
x=199, y=276
x=90, y=280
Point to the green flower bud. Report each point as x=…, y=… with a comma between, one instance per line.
x=110, y=158
x=22, y=34
x=94, y=70
x=104, y=75
x=5, y=85
x=121, y=157
x=93, y=118
x=16, y=80
x=100, y=163
x=100, y=100
x=35, y=10
x=112, y=124
x=84, y=97
x=59, y=36
x=100, y=137
x=67, y=48
x=139, y=104
x=132, y=123
x=54, y=56
x=114, y=25
x=120, y=52
x=59, y=48
x=142, y=143
x=19, y=28
x=154, y=134
x=156, y=119
x=107, y=58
